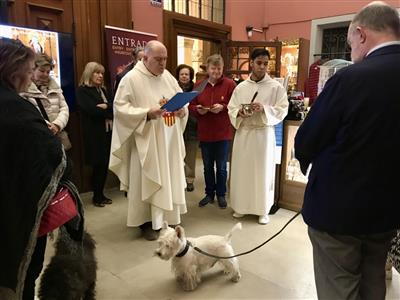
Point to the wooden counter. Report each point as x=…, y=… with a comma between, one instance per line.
x=292, y=182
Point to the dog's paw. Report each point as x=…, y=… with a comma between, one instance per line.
x=189, y=286
x=226, y=272
x=236, y=277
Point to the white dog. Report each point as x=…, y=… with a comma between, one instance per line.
x=187, y=263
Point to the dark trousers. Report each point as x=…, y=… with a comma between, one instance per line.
x=350, y=267
x=99, y=176
x=215, y=154
x=34, y=269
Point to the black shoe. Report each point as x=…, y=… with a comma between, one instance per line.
x=221, y=202
x=207, y=199
x=98, y=203
x=189, y=187
x=148, y=232
x=106, y=200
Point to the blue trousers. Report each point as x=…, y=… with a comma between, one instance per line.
x=215, y=154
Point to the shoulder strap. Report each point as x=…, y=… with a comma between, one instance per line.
x=42, y=110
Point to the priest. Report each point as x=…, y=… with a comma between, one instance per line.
x=147, y=148
x=253, y=161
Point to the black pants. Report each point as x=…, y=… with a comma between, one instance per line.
x=34, y=269
x=99, y=176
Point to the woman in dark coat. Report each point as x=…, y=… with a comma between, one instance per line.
x=32, y=162
x=95, y=108
x=185, y=76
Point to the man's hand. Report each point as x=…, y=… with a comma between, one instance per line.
x=201, y=110
x=216, y=108
x=257, y=107
x=53, y=128
x=241, y=114
x=180, y=113
x=154, y=113
x=102, y=105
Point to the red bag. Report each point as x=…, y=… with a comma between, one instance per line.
x=61, y=209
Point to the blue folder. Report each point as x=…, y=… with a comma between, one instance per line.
x=179, y=100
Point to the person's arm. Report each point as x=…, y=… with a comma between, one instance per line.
x=234, y=107
x=87, y=103
x=275, y=113
x=63, y=115
x=222, y=104
x=321, y=125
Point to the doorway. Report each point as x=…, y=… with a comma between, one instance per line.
x=194, y=52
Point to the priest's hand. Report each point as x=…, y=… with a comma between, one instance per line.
x=180, y=113
x=216, y=108
x=202, y=110
x=154, y=113
x=242, y=114
x=257, y=107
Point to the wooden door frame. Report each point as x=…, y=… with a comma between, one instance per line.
x=177, y=24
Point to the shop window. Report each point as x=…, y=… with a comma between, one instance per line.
x=210, y=10
x=334, y=44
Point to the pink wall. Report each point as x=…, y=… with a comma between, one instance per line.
x=241, y=13
x=147, y=18
x=292, y=18
x=286, y=19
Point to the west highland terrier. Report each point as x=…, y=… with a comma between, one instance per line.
x=187, y=263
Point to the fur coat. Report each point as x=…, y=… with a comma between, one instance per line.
x=32, y=162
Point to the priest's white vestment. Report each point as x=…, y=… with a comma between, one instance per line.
x=147, y=155
x=253, y=165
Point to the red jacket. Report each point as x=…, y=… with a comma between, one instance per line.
x=214, y=127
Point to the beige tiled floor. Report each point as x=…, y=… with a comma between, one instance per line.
x=281, y=269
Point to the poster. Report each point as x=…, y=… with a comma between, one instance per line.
x=39, y=41
x=120, y=43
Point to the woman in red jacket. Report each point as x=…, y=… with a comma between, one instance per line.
x=214, y=129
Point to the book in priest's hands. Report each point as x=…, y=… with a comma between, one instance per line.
x=179, y=100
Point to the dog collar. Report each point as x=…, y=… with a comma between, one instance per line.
x=184, y=251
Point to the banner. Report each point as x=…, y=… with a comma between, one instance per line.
x=120, y=43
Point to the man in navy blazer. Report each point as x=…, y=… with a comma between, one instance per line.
x=352, y=139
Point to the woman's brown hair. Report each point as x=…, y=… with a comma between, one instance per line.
x=13, y=57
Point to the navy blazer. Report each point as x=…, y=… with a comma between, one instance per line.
x=352, y=138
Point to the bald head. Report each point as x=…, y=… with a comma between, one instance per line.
x=373, y=25
x=379, y=17
x=155, y=57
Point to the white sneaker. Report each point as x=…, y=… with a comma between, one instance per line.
x=263, y=219
x=237, y=215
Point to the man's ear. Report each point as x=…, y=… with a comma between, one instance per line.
x=362, y=33
x=180, y=232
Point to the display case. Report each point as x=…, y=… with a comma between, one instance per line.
x=293, y=182
x=294, y=62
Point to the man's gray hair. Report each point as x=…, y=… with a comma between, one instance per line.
x=215, y=59
x=379, y=17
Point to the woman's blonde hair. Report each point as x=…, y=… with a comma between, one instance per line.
x=90, y=68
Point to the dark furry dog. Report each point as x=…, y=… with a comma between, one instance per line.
x=71, y=273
